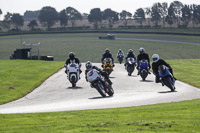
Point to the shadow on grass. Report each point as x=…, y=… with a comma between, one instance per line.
x=100, y=97
x=77, y=87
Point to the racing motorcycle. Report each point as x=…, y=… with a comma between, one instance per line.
x=108, y=65
x=143, y=69
x=130, y=65
x=99, y=82
x=73, y=71
x=166, y=77
x=120, y=58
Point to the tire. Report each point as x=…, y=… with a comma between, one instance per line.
x=73, y=82
x=143, y=75
x=111, y=91
x=168, y=83
x=130, y=70
x=100, y=89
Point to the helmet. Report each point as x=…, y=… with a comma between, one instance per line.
x=155, y=57
x=141, y=50
x=120, y=50
x=107, y=51
x=71, y=55
x=88, y=65
x=130, y=51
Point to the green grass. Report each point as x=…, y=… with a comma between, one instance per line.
x=19, y=77
x=59, y=45
x=180, y=117
x=187, y=71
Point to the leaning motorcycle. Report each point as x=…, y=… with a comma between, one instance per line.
x=99, y=82
x=120, y=58
x=166, y=77
x=143, y=69
x=73, y=71
x=130, y=65
x=108, y=65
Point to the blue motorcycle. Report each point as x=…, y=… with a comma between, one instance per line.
x=166, y=77
x=143, y=69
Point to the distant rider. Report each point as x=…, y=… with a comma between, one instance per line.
x=156, y=63
x=120, y=52
x=142, y=55
x=130, y=54
x=107, y=54
x=89, y=67
x=72, y=59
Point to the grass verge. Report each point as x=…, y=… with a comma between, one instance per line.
x=180, y=117
x=19, y=77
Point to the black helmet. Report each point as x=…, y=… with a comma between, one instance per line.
x=107, y=51
x=88, y=65
x=71, y=55
x=120, y=50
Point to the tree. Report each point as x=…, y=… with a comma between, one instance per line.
x=95, y=17
x=176, y=6
x=30, y=15
x=196, y=14
x=48, y=16
x=163, y=12
x=148, y=14
x=125, y=16
x=32, y=24
x=7, y=21
x=63, y=18
x=155, y=13
x=111, y=16
x=17, y=20
x=139, y=16
x=73, y=15
x=186, y=15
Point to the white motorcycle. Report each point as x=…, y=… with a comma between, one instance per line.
x=73, y=73
x=130, y=65
x=98, y=81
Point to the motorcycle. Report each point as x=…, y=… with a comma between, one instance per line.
x=143, y=69
x=130, y=65
x=120, y=58
x=108, y=65
x=99, y=82
x=73, y=73
x=166, y=77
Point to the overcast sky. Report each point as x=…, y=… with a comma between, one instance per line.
x=84, y=6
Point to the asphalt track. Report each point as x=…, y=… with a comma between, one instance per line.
x=56, y=94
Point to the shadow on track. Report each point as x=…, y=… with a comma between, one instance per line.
x=146, y=81
x=77, y=87
x=162, y=92
x=100, y=97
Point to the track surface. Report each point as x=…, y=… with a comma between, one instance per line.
x=56, y=94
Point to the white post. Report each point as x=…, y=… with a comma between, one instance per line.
x=38, y=50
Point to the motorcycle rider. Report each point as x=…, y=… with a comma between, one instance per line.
x=156, y=63
x=120, y=52
x=107, y=54
x=130, y=54
x=89, y=67
x=142, y=55
x=72, y=59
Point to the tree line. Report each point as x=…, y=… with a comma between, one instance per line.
x=174, y=13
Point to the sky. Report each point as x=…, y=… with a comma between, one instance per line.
x=83, y=6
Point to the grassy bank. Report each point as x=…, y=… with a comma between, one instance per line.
x=19, y=77
x=181, y=117
x=88, y=47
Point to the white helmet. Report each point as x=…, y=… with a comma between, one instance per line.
x=141, y=50
x=155, y=57
x=88, y=65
